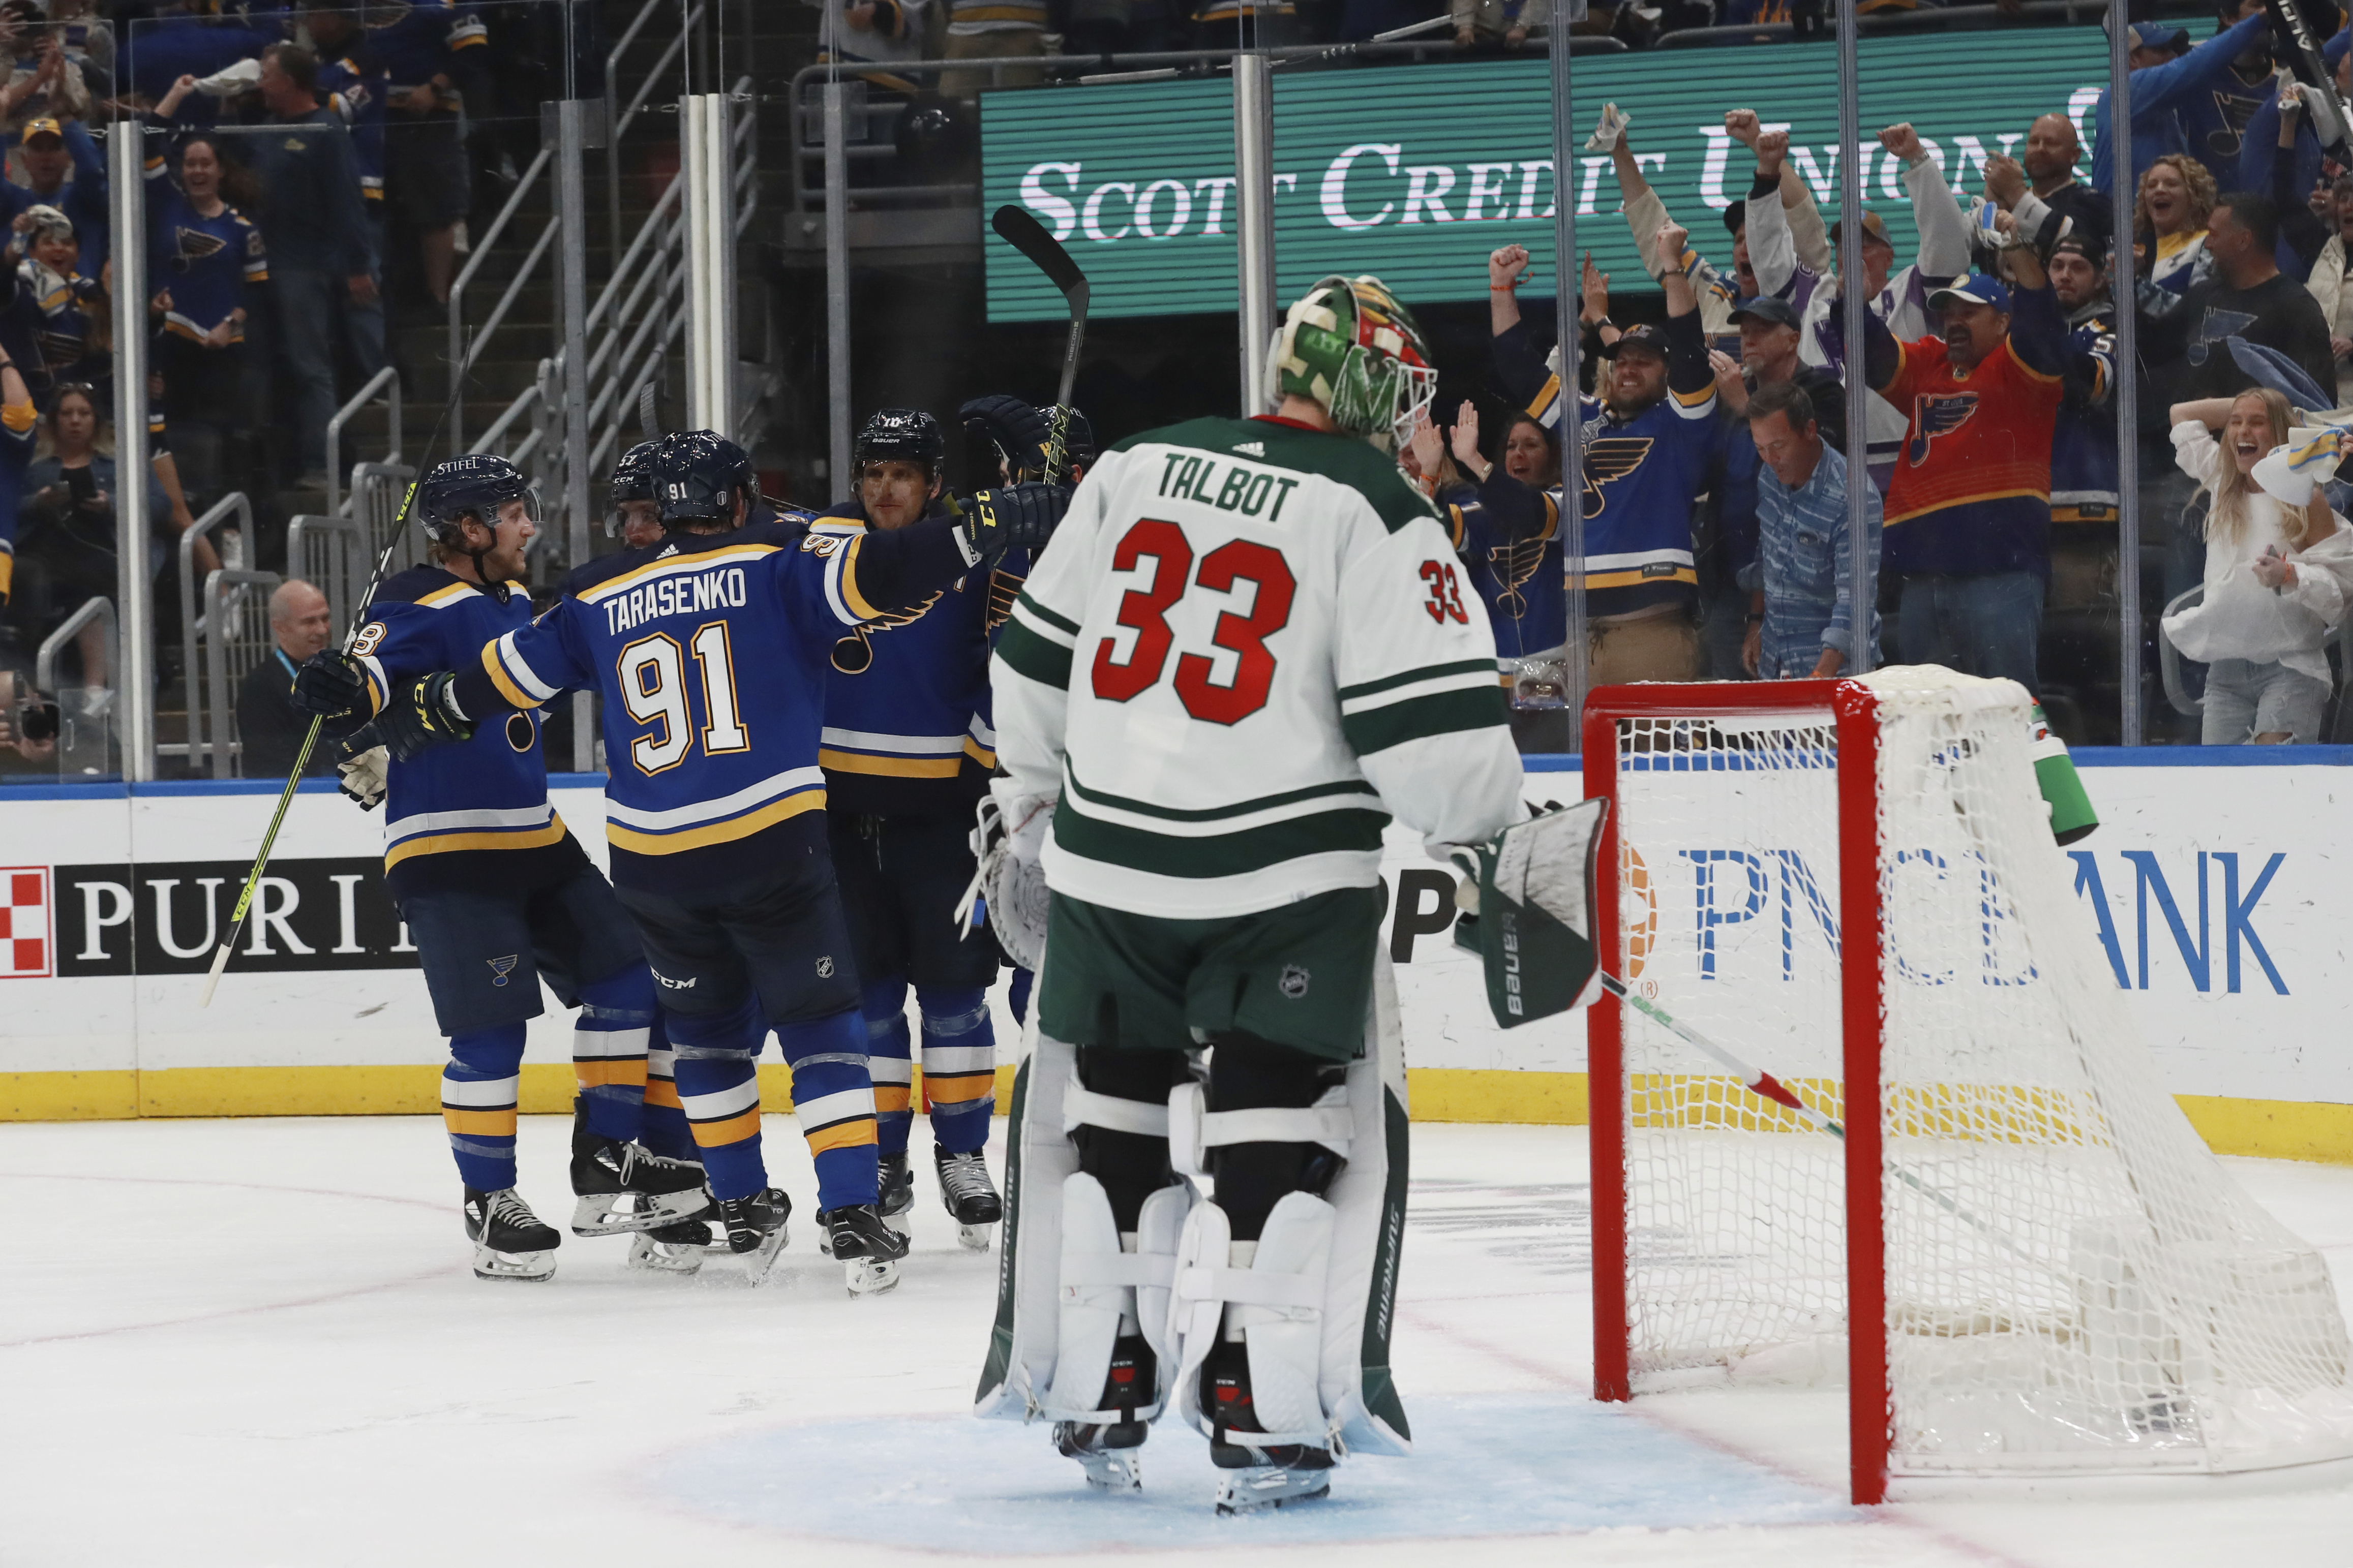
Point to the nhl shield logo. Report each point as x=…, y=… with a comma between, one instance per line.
x=1293, y=982
x=502, y=967
x=825, y=967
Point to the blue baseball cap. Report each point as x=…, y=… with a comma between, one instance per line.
x=2152, y=36
x=1977, y=289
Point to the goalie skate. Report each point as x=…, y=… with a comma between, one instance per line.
x=678, y=1249
x=510, y=1241
x=1112, y=1456
x=756, y=1231
x=867, y=1249
x=970, y=1196
x=1254, y=1487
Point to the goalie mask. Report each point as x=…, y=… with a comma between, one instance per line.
x=1352, y=346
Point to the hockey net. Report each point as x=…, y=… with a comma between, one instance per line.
x=2020, y=1257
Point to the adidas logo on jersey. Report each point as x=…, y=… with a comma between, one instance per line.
x=1251, y=448
x=666, y=551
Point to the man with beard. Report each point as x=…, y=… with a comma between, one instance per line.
x=1969, y=505
x=2039, y=191
x=1646, y=445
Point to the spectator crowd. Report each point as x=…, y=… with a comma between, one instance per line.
x=309, y=169
x=1715, y=491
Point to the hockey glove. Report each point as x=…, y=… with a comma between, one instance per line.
x=1024, y=517
x=1021, y=432
x=364, y=777
x=419, y=717
x=329, y=685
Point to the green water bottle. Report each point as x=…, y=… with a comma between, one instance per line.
x=2072, y=817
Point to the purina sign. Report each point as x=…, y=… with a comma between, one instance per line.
x=1416, y=171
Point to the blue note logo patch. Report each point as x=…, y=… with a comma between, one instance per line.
x=501, y=968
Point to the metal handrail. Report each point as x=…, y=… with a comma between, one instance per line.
x=2061, y=12
x=220, y=743
x=98, y=608
x=348, y=533
x=465, y=362
x=232, y=504
x=489, y=440
x=617, y=125
x=459, y=359
x=389, y=379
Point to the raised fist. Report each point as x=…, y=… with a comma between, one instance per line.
x=1742, y=126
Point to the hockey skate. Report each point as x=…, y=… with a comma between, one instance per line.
x=756, y=1230
x=970, y=1196
x=1112, y=1457
x=678, y=1248
x=1112, y=1454
x=867, y=1249
x=898, y=1187
x=622, y=1187
x=510, y=1241
x=1254, y=1477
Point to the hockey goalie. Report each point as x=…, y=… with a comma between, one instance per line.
x=1247, y=648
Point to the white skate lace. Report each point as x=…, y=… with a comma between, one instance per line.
x=508, y=1206
x=965, y=1176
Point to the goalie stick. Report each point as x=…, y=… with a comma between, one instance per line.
x=1016, y=227
x=311, y=736
x=2326, y=110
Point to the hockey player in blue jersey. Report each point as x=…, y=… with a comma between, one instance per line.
x=908, y=750
x=715, y=800
x=498, y=898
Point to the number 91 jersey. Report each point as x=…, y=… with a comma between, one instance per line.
x=1249, y=644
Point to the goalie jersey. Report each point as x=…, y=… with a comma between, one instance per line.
x=477, y=814
x=1249, y=643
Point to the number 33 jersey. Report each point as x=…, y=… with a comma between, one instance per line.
x=1249, y=644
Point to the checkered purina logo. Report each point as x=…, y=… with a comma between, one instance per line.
x=25, y=945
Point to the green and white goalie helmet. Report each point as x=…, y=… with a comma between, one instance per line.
x=1353, y=346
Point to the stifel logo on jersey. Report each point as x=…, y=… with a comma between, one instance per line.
x=25, y=945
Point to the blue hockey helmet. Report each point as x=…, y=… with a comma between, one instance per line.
x=698, y=476
x=633, y=480
x=474, y=486
x=899, y=435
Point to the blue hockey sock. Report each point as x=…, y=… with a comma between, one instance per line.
x=478, y=1104
x=888, y=1053
x=834, y=1098
x=959, y=1064
x=609, y=1040
x=1016, y=995
x=665, y=1131
x=719, y=1088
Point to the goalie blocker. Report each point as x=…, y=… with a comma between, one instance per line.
x=1124, y=1291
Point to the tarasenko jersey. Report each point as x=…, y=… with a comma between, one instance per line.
x=907, y=727
x=1247, y=645
x=474, y=814
x=711, y=652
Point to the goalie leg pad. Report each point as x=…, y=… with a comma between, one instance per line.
x=1316, y=1287
x=1086, y=1168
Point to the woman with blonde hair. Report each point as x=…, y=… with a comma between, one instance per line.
x=2177, y=197
x=2278, y=578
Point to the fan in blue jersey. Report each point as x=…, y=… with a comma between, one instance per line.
x=498, y=898
x=710, y=648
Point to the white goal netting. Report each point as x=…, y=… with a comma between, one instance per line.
x=2071, y=1279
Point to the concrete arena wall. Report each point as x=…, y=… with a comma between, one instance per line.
x=2221, y=885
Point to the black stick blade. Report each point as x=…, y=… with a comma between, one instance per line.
x=1017, y=228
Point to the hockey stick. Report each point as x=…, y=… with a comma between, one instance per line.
x=1017, y=228
x=2311, y=67
x=310, y=737
x=1760, y=1083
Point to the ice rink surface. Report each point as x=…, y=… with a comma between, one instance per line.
x=258, y=1343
